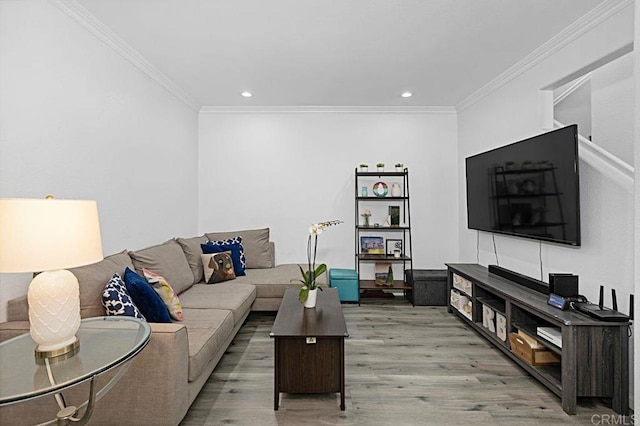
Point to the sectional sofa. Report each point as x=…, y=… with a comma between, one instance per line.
x=165, y=378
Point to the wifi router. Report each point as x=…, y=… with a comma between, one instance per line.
x=601, y=312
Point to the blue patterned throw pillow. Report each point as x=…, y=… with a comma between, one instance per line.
x=116, y=299
x=234, y=245
x=145, y=297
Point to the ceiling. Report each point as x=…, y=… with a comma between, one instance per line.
x=334, y=52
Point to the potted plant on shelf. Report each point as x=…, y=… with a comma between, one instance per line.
x=309, y=290
x=364, y=168
x=380, y=167
x=399, y=167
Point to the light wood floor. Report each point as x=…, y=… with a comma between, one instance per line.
x=404, y=366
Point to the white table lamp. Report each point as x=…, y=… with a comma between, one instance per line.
x=50, y=235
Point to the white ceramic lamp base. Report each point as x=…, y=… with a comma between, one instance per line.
x=54, y=312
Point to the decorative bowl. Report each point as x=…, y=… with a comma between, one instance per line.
x=380, y=189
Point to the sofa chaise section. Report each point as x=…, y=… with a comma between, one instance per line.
x=271, y=284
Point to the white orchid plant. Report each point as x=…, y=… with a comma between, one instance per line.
x=309, y=276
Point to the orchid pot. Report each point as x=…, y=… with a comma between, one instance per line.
x=308, y=291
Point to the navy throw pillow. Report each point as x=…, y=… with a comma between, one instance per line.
x=234, y=245
x=145, y=298
x=116, y=299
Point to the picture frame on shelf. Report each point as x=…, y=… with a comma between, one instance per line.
x=371, y=245
x=391, y=245
x=394, y=213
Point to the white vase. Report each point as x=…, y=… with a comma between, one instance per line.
x=396, y=191
x=311, y=299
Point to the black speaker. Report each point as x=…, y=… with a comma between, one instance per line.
x=565, y=285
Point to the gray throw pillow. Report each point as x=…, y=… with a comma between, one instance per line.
x=166, y=259
x=193, y=253
x=92, y=279
x=257, y=250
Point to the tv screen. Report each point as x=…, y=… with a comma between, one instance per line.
x=528, y=189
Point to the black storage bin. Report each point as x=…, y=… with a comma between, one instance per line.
x=429, y=287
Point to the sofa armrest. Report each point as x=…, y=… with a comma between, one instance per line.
x=18, y=309
x=155, y=388
x=272, y=249
x=11, y=329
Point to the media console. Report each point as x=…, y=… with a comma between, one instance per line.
x=594, y=355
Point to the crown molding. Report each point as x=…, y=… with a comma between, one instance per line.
x=328, y=109
x=586, y=23
x=92, y=24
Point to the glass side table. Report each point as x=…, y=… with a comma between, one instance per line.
x=105, y=343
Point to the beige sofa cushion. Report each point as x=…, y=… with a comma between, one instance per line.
x=193, y=251
x=207, y=329
x=273, y=282
x=228, y=295
x=18, y=309
x=257, y=250
x=168, y=260
x=94, y=277
x=11, y=329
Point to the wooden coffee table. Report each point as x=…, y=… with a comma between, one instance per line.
x=309, y=346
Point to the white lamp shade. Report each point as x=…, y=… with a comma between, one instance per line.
x=44, y=235
x=50, y=235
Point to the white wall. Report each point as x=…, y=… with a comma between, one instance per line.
x=80, y=122
x=512, y=113
x=575, y=108
x=612, y=107
x=286, y=171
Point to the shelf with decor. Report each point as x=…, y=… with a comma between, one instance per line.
x=371, y=285
x=383, y=228
x=386, y=198
x=380, y=174
x=383, y=258
x=386, y=194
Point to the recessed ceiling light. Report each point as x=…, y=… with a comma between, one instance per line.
x=247, y=94
x=407, y=95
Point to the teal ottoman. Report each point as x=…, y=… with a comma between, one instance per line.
x=346, y=281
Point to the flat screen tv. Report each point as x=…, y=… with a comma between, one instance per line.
x=528, y=189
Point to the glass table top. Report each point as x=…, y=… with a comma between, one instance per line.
x=105, y=343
